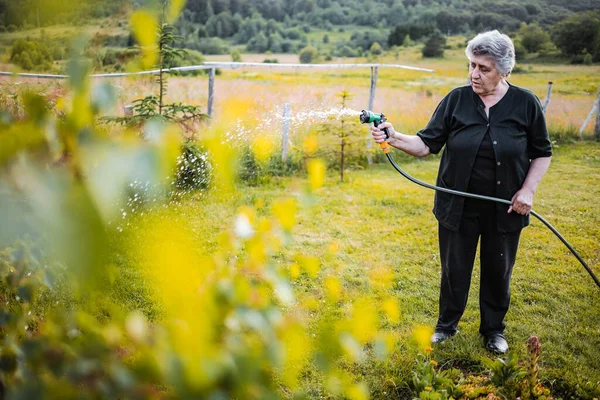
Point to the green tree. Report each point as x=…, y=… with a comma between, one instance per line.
x=259, y=43
x=577, y=33
x=415, y=30
x=451, y=21
x=166, y=53
x=434, y=46
x=533, y=37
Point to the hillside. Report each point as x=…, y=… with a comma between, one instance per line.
x=334, y=28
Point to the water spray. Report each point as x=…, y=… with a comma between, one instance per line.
x=367, y=117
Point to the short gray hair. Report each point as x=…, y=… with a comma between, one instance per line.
x=495, y=45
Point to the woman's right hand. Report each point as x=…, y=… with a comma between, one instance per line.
x=378, y=133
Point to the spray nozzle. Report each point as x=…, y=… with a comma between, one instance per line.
x=367, y=116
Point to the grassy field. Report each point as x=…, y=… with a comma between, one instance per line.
x=377, y=227
x=378, y=221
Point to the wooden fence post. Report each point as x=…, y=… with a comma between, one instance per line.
x=597, y=127
x=374, y=72
x=287, y=112
x=545, y=106
x=211, y=91
x=589, y=116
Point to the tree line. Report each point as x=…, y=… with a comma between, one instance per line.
x=283, y=26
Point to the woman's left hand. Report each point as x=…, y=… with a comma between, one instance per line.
x=522, y=201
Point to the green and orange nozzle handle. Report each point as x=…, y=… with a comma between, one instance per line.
x=366, y=117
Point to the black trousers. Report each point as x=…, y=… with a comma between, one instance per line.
x=497, y=258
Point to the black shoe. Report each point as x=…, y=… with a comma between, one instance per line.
x=496, y=343
x=441, y=336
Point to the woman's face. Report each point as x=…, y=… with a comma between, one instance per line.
x=484, y=75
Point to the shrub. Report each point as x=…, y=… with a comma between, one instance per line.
x=308, y=55
x=236, y=56
x=346, y=51
x=250, y=171
x=194, y=170
x=30, y=54
x=12, y=28
x=434, y=47
x=208, y=46
x=376, y=49
x=25, y=61
x=117, y=41
x=109, y=58
x=57, y=53
x=2, y=29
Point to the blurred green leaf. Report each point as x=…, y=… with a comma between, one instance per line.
x=77, y=66
x=8, y=360
x=68, y=220
x=103, y=97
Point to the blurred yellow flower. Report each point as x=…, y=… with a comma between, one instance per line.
x=334, y=247
x=262, y=147
x=294, y=271
x=358, y=391
x=334, y=288
x=144, y=26
x=310, y=144
x=175, y=7
x=364, y=322
x=311, y=265
x=297, y=349
x=235, y=109
x=391, y=310
x=316, y=174
x=422, y=335
x=285, y=212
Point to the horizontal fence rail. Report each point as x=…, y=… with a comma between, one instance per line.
x=218, y=64
x=111, y=75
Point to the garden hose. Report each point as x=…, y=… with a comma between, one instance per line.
x=369, y=116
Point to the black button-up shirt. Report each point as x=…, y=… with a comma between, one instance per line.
x=517, y=128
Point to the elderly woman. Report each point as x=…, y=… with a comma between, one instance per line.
x=495, y=144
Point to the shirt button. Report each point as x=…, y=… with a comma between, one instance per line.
x=498, y=163
x=495, y=142
x=488, y=125
x=497, y=183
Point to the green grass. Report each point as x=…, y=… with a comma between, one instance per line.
x=378, y=218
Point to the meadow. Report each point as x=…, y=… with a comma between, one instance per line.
x=407, y=97
x=361, y=255
x=377, y=226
